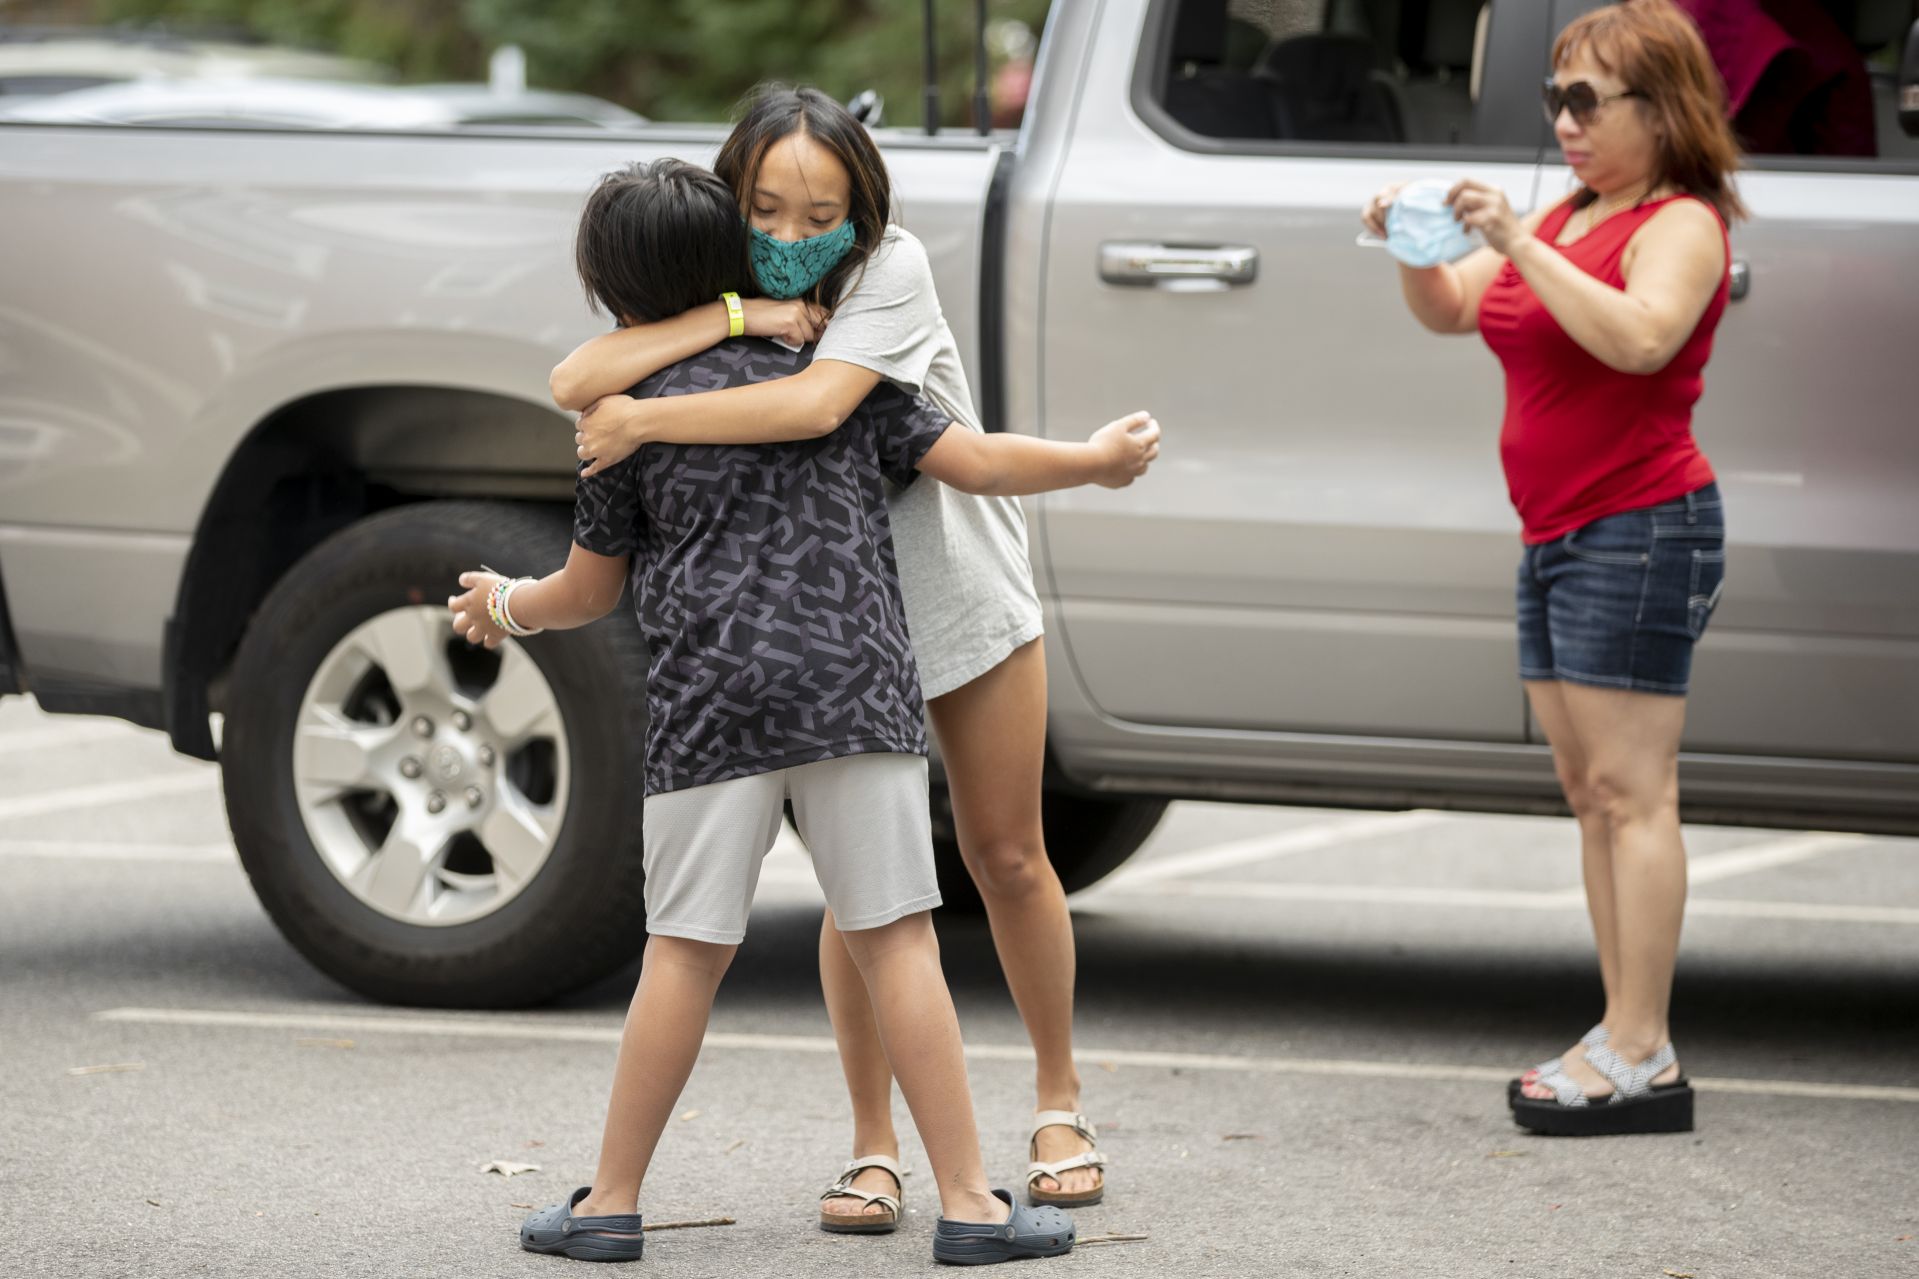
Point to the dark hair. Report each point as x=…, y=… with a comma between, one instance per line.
x=776, y=111
x=658, y=239
x=1655, y=48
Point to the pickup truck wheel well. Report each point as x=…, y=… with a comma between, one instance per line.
x=314, y=466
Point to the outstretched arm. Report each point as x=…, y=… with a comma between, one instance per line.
x=1016, y=465
x=584, y=591
x=612, y=362
x=806, y=406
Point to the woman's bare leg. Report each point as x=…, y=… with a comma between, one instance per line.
x=1631, y=741
x=992, y=736
x=869, y=1080
x=1595, y=844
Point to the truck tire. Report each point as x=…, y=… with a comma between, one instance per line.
x=427, y=822
x=1087, y=838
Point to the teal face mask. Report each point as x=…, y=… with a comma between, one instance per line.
x=789, y=269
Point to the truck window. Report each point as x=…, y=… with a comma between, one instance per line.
x=1363, y=73
x=1806, y=78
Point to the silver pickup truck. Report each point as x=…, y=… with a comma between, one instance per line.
x=263, y=392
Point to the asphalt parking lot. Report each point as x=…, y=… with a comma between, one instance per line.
x=1295, y=1026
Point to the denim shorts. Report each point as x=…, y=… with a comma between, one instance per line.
x=1620, y=602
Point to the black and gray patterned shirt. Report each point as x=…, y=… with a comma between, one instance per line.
x=765, y=582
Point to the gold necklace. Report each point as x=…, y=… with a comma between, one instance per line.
x=1594, y=217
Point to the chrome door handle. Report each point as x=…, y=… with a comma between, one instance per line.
x=1741, y=279
x=1178, y=266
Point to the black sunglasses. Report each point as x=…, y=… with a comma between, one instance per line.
x=1579, y=97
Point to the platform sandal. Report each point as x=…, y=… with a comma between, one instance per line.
x=1636, y=1104
x=1594, y=1038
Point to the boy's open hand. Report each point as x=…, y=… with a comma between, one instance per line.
x=1127, y=447
x=795, y=323
x=470, y=620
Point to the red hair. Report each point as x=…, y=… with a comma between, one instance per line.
x=1655, y=48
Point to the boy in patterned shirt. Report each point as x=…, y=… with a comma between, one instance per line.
x=779, y=669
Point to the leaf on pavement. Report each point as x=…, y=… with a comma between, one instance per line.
x=1508, y=1154
x=154, y=1202
x=526, y=1206
x=116, y=1069
x=507, y=1169
x=687, y=1115
x=735, y=1146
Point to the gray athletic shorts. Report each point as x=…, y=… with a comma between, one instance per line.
x=864, y=818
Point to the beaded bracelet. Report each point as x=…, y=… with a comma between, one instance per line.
x=500, y=611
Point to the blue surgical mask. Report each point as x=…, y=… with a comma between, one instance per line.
x=790, y=269
x=1420, y=227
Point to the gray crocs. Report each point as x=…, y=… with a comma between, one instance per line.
x=1026, y=1233
x=557, y=1231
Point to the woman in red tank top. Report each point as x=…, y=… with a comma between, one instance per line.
x=1602, y=310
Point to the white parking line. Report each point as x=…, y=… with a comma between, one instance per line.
x=1713, y=867
x=101, y=794
x=1503, y=899
x=556, y=1031
x=106, y=851
x=46, y=739
x=1265, y=847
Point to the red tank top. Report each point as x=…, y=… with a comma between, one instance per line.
x=1581, y=441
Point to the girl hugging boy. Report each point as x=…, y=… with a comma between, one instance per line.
x=780, y=668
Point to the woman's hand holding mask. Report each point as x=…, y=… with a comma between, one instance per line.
x=1373, y=215
x=1485, y=209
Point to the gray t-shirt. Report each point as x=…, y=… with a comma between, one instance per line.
x=963, y=564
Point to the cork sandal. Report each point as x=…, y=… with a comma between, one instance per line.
x=1088, y=1159
x=864, y=1223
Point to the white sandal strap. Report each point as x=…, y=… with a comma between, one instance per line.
x=1064, y=1119
x=1566, y=1090
x=1627, y=1081
x=1091, y=1159
x=854, y=1167
x=1630, y=1081
x=864, y=1196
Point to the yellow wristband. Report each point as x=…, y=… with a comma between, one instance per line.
x=735, y=315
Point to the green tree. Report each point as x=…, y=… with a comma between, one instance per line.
x=669, y=59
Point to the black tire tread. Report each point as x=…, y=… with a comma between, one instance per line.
x=595, y=924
